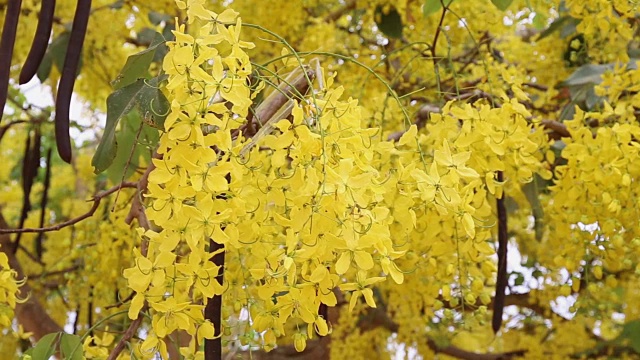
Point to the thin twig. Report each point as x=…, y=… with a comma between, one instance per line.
x=128, y=334
x=350, y=5
x=121, y=302
x=128, y=163
x=437, y=34
x=56, y=272
x=536, y=86
x=96, y=203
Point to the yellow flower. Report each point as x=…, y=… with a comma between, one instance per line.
x=360, y=288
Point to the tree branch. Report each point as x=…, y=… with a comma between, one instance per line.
x=128, y=334
x=501, y=281
x=558, y=129
x=350, y=5
x=421, y=120
x=469, y=355
x=96, y=202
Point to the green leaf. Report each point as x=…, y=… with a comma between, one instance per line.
x=137, y=64
x=162, y=50
x=592, y=100
x=432, y=6
x=58, y=49
x=152, y=103
x=131, y=147
x=45, y=67
x=28, y=352
x=631, y=335
x=532, y=193
x=117, y=5
x=390, y=23
x=145, y=95
x=554, y=26
x=586, y=74
x=581, y=85
x=46, y=347
x=145, y=36
x=55, y=54
x=71, y=347
x=511, y=204
x=519, y=280
x=502, y=4
x=156, y=18
x=570, y=28
x=119, y=103
x=539, y=21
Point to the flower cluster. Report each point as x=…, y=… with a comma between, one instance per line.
x=318, y=205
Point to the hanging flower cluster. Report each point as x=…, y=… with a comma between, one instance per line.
x=318, y=205
x=9, y=290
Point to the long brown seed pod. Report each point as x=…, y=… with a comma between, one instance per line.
x=43, y=205
x=68, y=78
x=40, y=41
x=30, y=165
x=7, y=41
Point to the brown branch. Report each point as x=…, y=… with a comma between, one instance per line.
x=30, y=255
x=121, y=302
x=275, y=107
x=469, y=96
x=536, y=86
x=96, y=202
x=469, y=355
x=318, y=349
x=128, y=334
x=56, y=272
x=379, y=318
x=297, y=82
x=437, y=34
x=522, y=300
x=502, y=278
x=422, y=117
x=137, y=208
x=350, y=5
x=558, y=129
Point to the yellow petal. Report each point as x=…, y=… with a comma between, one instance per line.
x=363, y=260
x=342, y=265
x=368, y=297
x=409, y=136
x=136, y=304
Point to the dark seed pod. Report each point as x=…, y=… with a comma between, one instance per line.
x=6, y=47
x=40, y=41
x=27, y=181
x=68, y=78
x=43, y=204
x=30, y=165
